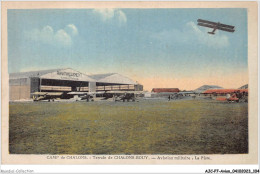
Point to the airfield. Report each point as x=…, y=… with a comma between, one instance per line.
x=154, y=126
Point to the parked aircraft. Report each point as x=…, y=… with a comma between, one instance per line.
x=84, y=95
x=88, y=96
x=49, y=96
x=123, y=95
x=215, y=26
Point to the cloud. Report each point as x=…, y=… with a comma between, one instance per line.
x=63, y=38
x=105, y=14
x=121, y=16
x=46, y=35
x=192, y=34
x=71, y=29
x=108, y=14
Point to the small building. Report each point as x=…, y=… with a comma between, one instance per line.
x=167, y=90
x=163, y=92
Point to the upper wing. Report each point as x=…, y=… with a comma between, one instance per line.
x=214, y=25
x=205, y=21
x=48, y=93
x=77, y=93
x=88, y=93
x=54, y=93
x=124, y=92
x=207, y=25
x=39, y=93
x=225, y=29
x=93, y=93
x=116, y=92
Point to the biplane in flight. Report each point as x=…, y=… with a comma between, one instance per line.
x=215, y=26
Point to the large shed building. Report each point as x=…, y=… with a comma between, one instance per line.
x=115, y=81
x=23, y=84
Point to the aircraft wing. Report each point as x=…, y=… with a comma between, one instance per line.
x=83, y=93
x=54, y=93
x=225, y=29
x=214, y=25
x=99, y=92
x=206, y=25
x=78, y=93
x=48, y=93
x=116, y=92
x=124, y=92
x=39, y=93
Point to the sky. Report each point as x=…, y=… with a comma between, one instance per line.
x=155, y=47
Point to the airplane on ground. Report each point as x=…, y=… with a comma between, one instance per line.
x=85, y=95
x=215, y=26
x=182, y=94
x=88, y=96
x=123, y=95
x=49, y=96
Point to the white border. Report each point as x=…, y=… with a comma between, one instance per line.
x=125, y=168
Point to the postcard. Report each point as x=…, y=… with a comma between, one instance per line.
x=129, y=83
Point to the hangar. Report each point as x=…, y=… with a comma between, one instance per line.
x=115, y=81
x=23, y=84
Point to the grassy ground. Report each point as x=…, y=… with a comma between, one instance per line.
x=145, y=127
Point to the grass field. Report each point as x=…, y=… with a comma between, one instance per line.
x=145, y=127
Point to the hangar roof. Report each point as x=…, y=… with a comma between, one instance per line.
x=100, y=76
x=19, y=75
x=60, y=74
x=113, y=78
x=70, y=74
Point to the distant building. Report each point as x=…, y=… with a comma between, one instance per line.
x=223, y=91
x=23, y=84
x=160, y=90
